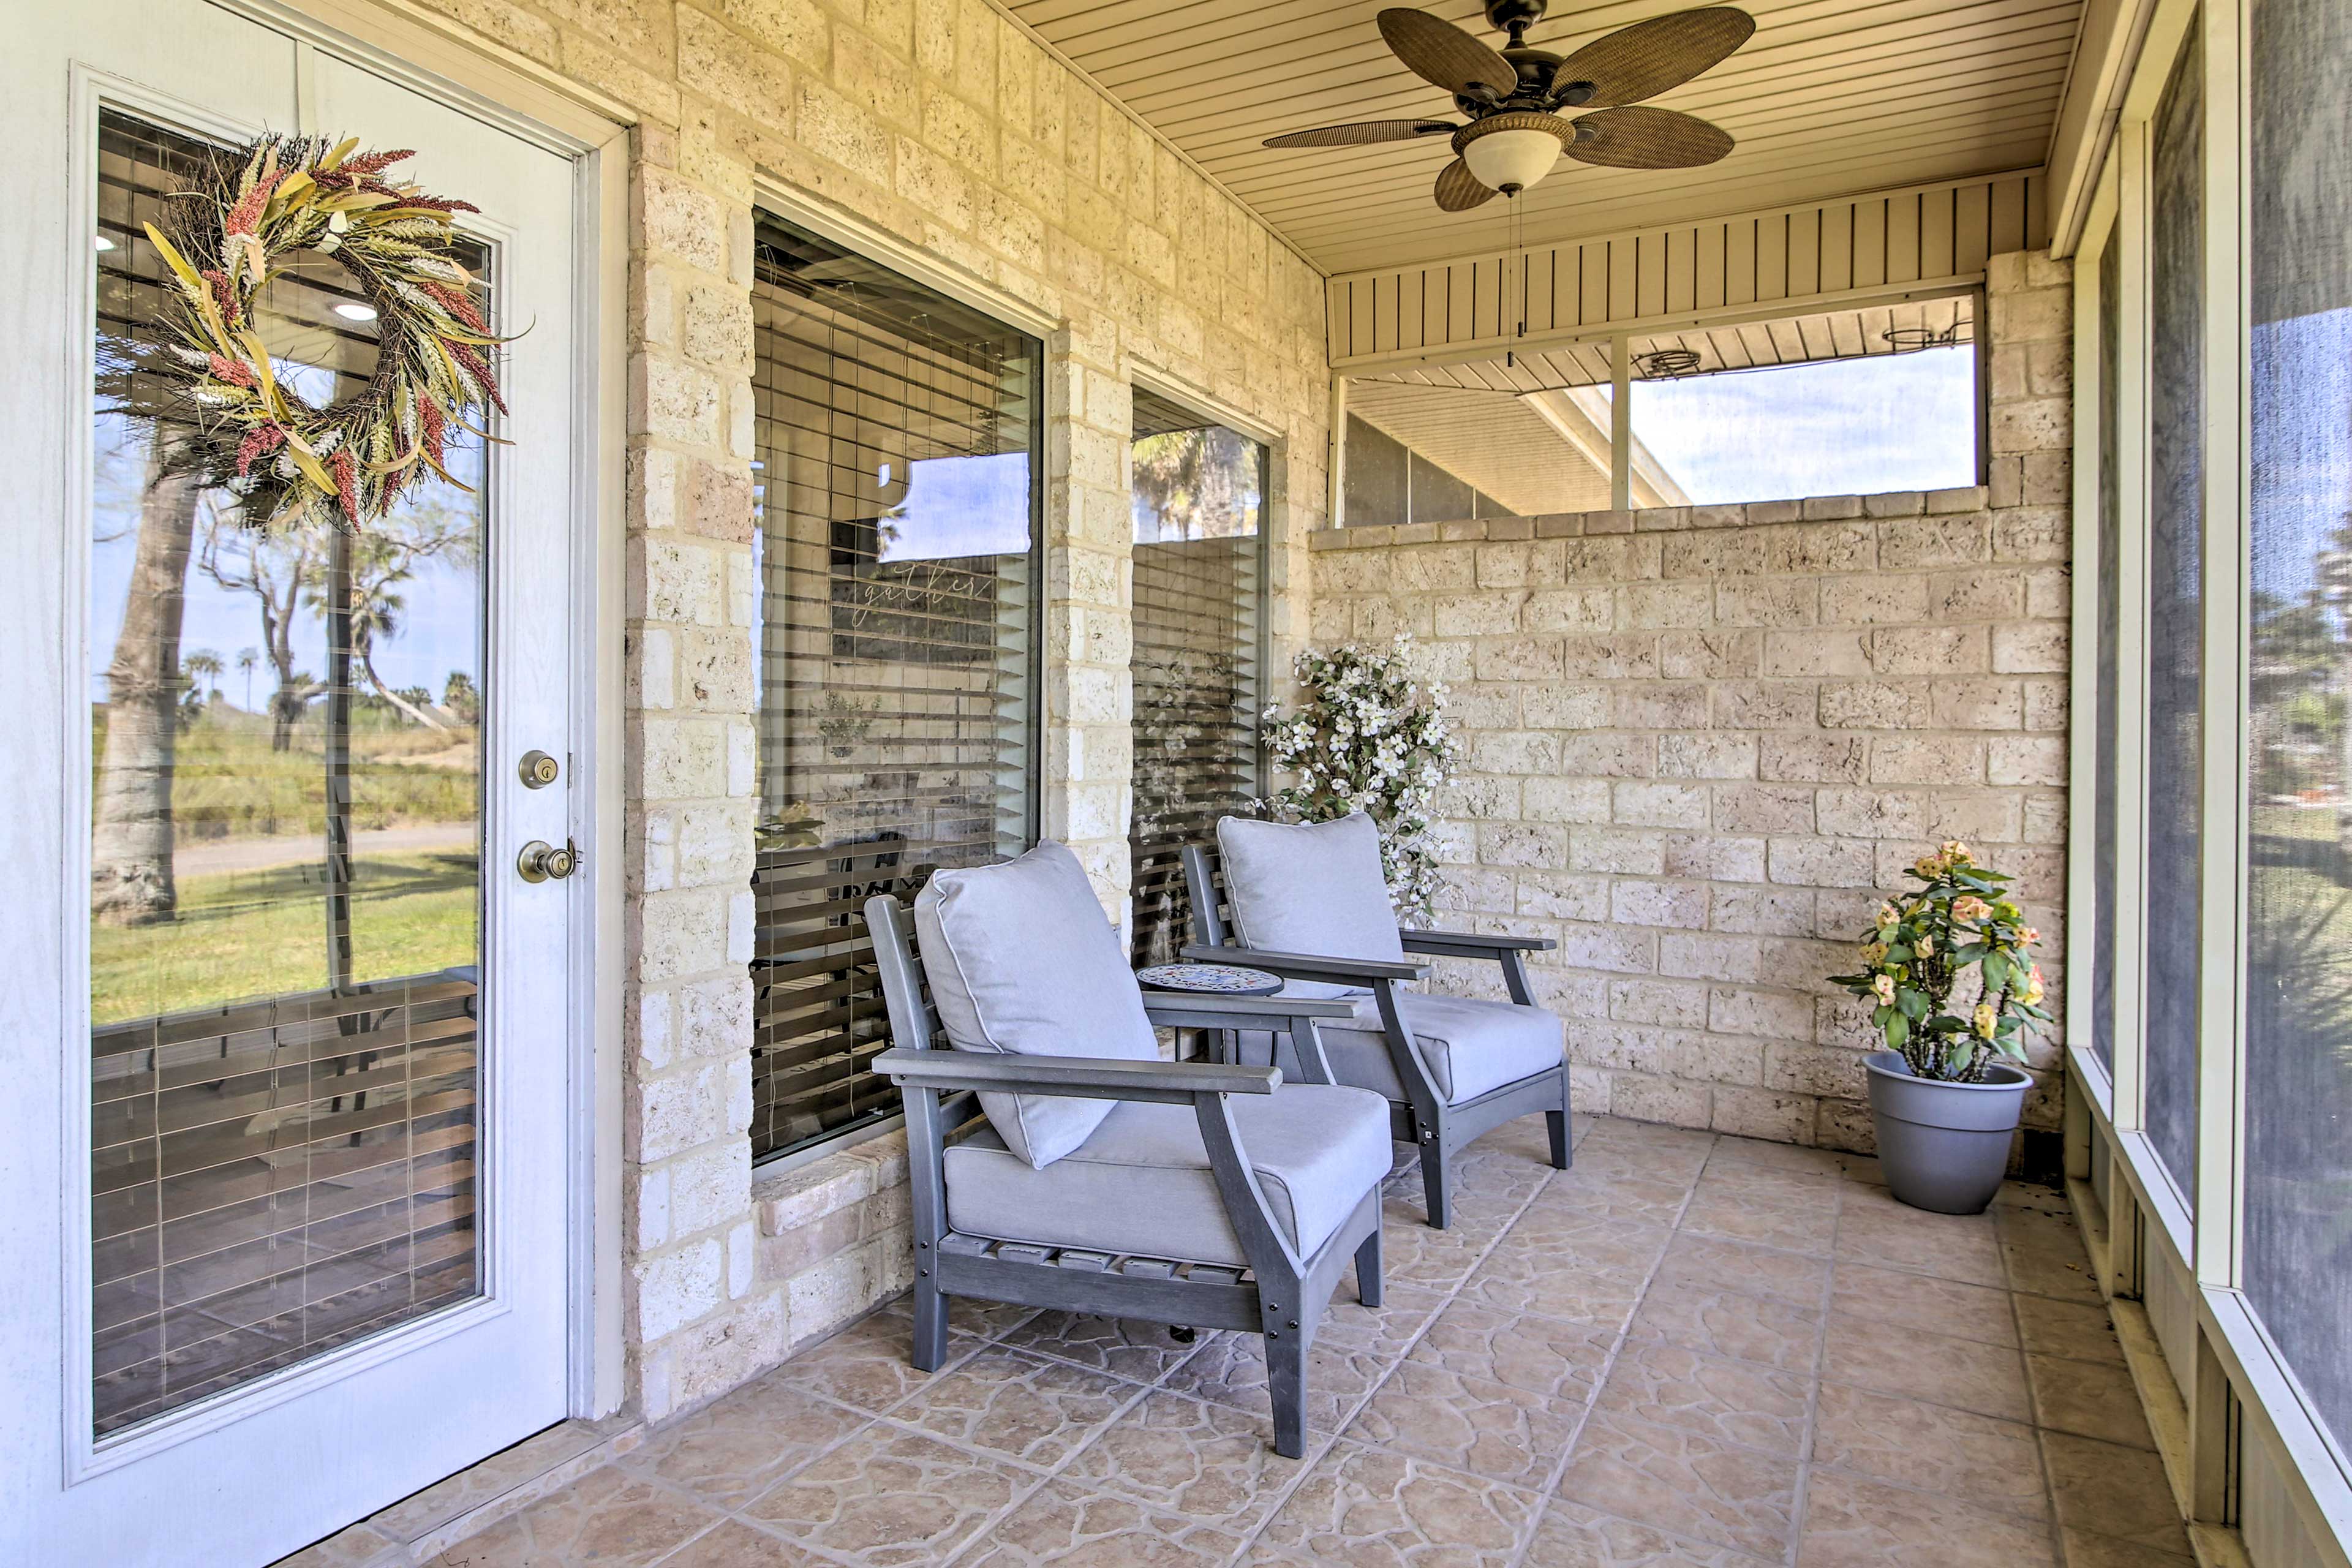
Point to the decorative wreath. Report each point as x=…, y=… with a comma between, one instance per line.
x=346, y=464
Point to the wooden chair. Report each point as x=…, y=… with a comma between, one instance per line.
x=1018, y=1247
x=1405, y=1044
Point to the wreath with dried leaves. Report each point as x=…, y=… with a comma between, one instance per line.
x=347, y=464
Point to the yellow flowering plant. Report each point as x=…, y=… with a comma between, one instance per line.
x=1919, y=946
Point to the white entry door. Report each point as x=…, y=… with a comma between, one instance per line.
x=290, y=1043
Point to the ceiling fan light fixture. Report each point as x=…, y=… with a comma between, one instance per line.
x=1510, y=153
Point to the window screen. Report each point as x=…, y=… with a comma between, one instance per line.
x=1198, y=497
x=896, y=453
x=2110, y=611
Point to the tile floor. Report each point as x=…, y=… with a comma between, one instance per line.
x=1689, y=1350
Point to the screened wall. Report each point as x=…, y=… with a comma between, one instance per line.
x=2212, y=873
x=897, y=476
x=1200, y=504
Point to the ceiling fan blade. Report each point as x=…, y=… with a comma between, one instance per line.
x=1641, y=137
x=1648, y=58
x=1363, y=134
x=1458, y=189
x=1443, y=54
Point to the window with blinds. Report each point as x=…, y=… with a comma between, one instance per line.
x=1199, y=501
x=899, y=488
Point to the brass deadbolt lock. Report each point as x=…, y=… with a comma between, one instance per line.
x=538, y=770
x=542, y=862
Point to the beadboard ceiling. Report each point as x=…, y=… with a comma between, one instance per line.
x=1830, y=97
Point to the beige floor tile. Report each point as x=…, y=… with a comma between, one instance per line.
x=1139, y=1351
x=1746, y=1267
x=1018, y=1406
x=1369, y=1507
x=737, y=1545
x=1735, y=1401
x=1893, y=1357
x=2043, y=1250
x=2105, y=1552
x=2090, y=1399
x=1417, y=1257
x=352, y=1548
x=2104, y=1489
x=1230, y=1369
x=1829, y=1164
x=606, y=1518
x=1535, y=1274
x=1997, y=1464
x=1875, y=1229
x=888, y=1497
x=1738, y=1177
x=2075, y=1329
x=1570, y=1536
x=1670, y=1149
x=1941, y=1305
x=1793, y=1224
x=1647, y=1199
x=1542, y=1355
x=536, y=1464
x=1701, y=1317
x=1683, y=1483
x=1066, y=1526
x=1495, y=1432
x=736, y=1448
x=867, y=1364
x=1856, y=1524
x=1206, y=1461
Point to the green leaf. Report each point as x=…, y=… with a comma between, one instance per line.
x=1914, y=1004
x=1897, y=1029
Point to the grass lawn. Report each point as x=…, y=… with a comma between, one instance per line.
x=248, y=934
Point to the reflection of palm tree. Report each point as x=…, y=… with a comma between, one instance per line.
x=246, y=659
x=377, y=612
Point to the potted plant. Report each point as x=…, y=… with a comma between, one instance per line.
x=1945, y=1095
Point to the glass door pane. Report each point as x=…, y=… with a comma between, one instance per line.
x=285, y=848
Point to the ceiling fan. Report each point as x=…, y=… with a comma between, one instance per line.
x=1510, y=94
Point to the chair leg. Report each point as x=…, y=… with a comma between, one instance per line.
x=1285, y=1368
x=930, y=1326
x=1368, y=1270
x=1433, y=1184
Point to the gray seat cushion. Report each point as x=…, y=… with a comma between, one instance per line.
x=1469, y=1046
x=1314, y=887
x=1023, y=962
x=1142, y=1184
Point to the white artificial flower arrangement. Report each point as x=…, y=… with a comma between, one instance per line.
x=1367, y=736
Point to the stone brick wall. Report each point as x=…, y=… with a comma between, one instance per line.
x=942, y=124
x=1702, y=739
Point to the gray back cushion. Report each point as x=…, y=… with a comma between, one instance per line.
x=1023, y=962
x=1312, y=886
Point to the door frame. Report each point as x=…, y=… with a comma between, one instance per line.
x=594, y=142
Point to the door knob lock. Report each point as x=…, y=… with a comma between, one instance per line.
x=542, y=862
x=537, y=769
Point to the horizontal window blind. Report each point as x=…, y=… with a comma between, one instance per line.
x=1199, y=503
x=897, y=454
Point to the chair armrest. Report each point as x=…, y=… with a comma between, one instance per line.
x=1205, y=1010
x=1308, y=966
x=1470, y=943
x=1076, y=1077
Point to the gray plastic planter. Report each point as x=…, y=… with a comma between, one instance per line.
x=1944, y=1146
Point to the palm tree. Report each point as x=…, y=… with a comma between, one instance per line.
x=248, y=660
x=203, y=668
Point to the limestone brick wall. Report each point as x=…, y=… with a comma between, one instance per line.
x=943, y=125
x=1701, y=741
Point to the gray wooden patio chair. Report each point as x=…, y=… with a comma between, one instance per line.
x=1112, y=1183
x=1309, y=903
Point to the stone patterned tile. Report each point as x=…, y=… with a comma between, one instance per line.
x=1784, y=1157
x=1735, y=1401
x=2074, y=1330
x=1534, y=1273
x=1677, y=1151
x=1875, y=1229
x=1694, y=1314
x=1487, y=1429
x=2104, y=1551
x=1856, y=1524
x=529, y=1463
x=1684, y=1483
x=606, y=1518
x=1941, y=1305
x=744, y=1443
x=1956, y=1452
x=1371, y=1508
x=1415, y=1257
x=1230, y=1369
x=1746, y=1267
x=1891, y=1357
x=1136, y=1350
x=2043, y=1250
x=1649, y=1199
x=1065, y=1526
x=1604, y=1160
x=737, y=1545
x=1794, y=1224
x=966, y=1314
x=353, y=1548
x=888, y=1497
x=1017, y=1405
x=1737, y=1177
x=2090, y=1399
x=869, y=1363
x=1559, y=1361
x=1205, y=1461
x=1569, y=1536
x=2104, y=1490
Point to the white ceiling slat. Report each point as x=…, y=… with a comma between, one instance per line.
x=1829, y=97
